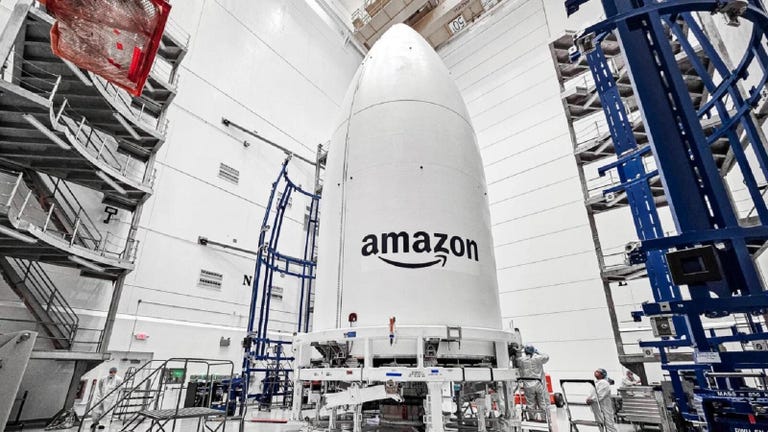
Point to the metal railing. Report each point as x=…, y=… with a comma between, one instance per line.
x=155, y=380
x=597, y=186
x=165, y=71
x=97, y=143
x=29, y=76
x=59, y=213
x=128, y=105
x=177, y=32
x=48, y=297
x=93, y=344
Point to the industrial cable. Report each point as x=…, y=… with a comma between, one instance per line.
x=569, y=340
x=569, y=154
x=586, y=309
x=228, y=95
x=248, y=29
x=521, y=111
x=535, y=49
x=519, y=131
x=565, y=204
x=208, y=299
x=527, y=149
x=538, y=236
x=512, y=78
x=515, y=42
x=572, y=282
x=592, y=250
x=530, y=87
x=530, y=191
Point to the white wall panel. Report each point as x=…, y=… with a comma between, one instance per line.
x=277, y=68
x=548, y=273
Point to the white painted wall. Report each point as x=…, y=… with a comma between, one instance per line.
x=279, y=68
x=275, y=67
x=548, y=274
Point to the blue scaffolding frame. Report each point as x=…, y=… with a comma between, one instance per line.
x=703, y=212
x=262, y=354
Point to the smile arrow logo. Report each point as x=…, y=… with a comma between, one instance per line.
x=440, y=258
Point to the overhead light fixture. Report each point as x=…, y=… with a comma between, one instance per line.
x=17, y=235
x=45, y=131
x=86, y=264
x=113, y=184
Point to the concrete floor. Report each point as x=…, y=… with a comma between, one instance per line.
x=559, y=424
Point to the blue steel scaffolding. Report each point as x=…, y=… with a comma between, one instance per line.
x=706, y=270
x=268, y=357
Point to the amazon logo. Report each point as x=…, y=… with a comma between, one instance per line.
x=439, y=245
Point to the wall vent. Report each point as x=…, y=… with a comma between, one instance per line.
x=228, y=173
x=209, y=279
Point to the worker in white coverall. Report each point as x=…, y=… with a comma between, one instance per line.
x=104, y=388
x=629, y=380
x=531, y=365
x=601, y=402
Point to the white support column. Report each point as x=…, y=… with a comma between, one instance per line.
x=420, y=352
x=332, y=419
x=358, y=421
x=502, y=354
x=298, y=388
x=367, y=356
x=480, y=403
x=434, y=407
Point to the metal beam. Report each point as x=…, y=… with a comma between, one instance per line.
x=13, y=27
x=228, y=123
x=15, y=351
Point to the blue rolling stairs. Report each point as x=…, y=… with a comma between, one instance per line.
x=268, y=358
x=711, y=254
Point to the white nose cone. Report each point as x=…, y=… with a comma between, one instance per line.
x=405, y=228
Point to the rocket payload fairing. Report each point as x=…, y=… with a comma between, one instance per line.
x=405, y=227
x=406, y=301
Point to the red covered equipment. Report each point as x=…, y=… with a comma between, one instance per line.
x=115, y=39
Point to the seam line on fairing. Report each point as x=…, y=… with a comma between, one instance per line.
x=343, y=216
x=419, y=101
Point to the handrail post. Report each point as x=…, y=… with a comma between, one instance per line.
x=55, y=89
x=26, y=272
x=24, y=205
x=13, y=191
x=50, y=301
x=72, y=334
x=61, y=110
x=74, y=232
x=48, y=218
x=103, y=143
x=104, y=243
x=80, y=129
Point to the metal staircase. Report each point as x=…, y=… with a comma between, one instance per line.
x=140, y=397
x=621, y=172
x=268, y=354
x=134, y=400
x=51, y=225
x=43, y=300
x=66, y=212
